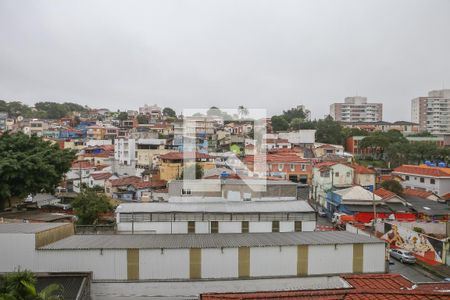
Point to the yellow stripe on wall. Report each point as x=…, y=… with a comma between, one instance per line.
x=302, y=260
x=195, y=263
x=244, y=262
x=133, y=264
x=358, y=258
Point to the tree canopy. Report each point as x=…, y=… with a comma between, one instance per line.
x=43, y=110
x=30, y=165
x=393, y=186
x=279, y=123
x=89, y=204
x=122, y=116
x=169, y=112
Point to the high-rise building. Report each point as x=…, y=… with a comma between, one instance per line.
x=432, y=113
x=356, y=109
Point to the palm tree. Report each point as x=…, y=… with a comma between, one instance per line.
x=21, y=285
x=243, y=111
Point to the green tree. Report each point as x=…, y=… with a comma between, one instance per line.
x=349, y=132
x=279, y=123
x=169, y=112
x=30, y=165
x=393, y=186
x=142, y=119
x=89, y=204
x=296, y=124
x=122, y=116
x=294, y=113
x=329, y=131
x=22, y=286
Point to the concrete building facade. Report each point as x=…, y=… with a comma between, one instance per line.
x=432, y=113
x=54, y=248
x=357, y=109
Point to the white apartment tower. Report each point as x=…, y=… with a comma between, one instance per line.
x=357, y=109
x=432, y=113
x=125, y=151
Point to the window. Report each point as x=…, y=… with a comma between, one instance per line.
x=245, y=227
x=432, y=181
x=275, y=226
x=349, y=174
x=292, y=167
x=336, y=174
x=214, y=227
x=298, y=226
x=325, y=174
x=303, y=167
x=422, y=180
x=406, y=177
x=191, y=226
x=186, y=192
x=280, y=167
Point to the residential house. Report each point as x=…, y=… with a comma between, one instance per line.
x=99, y=179
x=364, y=177
x=148, y=152
x=356, y=201
x=406, y=128
x=326, y=149
x=103, y=132
x=131, y=188
x=79, y=174
x=424, y=177
x=153, y=111
x=277, y=143
x=328, y=176
x=231, y=189
x=171, y=166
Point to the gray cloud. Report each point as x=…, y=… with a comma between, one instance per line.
x=189, y=54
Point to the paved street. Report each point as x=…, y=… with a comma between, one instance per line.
x=412, y=272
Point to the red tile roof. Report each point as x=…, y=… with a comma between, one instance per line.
x=417, y=193
x=423, y=170
x=326, y=146
x=384, y=194
x=182, y=155
x=149, y=184
x=125, y=181
x=277, y=141
x=446, y=196
x=276, y=158
x=362, y=170
x=364, y=287
x=82, y=164
x=383, y=178
x=101, y=176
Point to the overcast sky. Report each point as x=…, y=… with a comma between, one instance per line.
x=195, y=54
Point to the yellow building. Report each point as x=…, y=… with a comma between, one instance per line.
x=172, y=163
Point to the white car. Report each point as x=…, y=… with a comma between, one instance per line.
x=404, y=256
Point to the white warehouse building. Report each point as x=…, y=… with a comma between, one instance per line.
x=52, y=247
x=215, y=217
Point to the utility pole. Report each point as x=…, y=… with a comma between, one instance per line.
x=374, y=209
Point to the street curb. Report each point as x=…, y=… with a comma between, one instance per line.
x=431, y=269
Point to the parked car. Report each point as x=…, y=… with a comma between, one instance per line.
x=404, y=256
x=322, y=212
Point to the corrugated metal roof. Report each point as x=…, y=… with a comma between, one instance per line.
x=223, y=240
x=219, y=207
x=27, y=227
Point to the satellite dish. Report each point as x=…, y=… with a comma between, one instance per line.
x=20, y=118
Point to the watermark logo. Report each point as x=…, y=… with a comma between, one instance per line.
x=223, y=143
